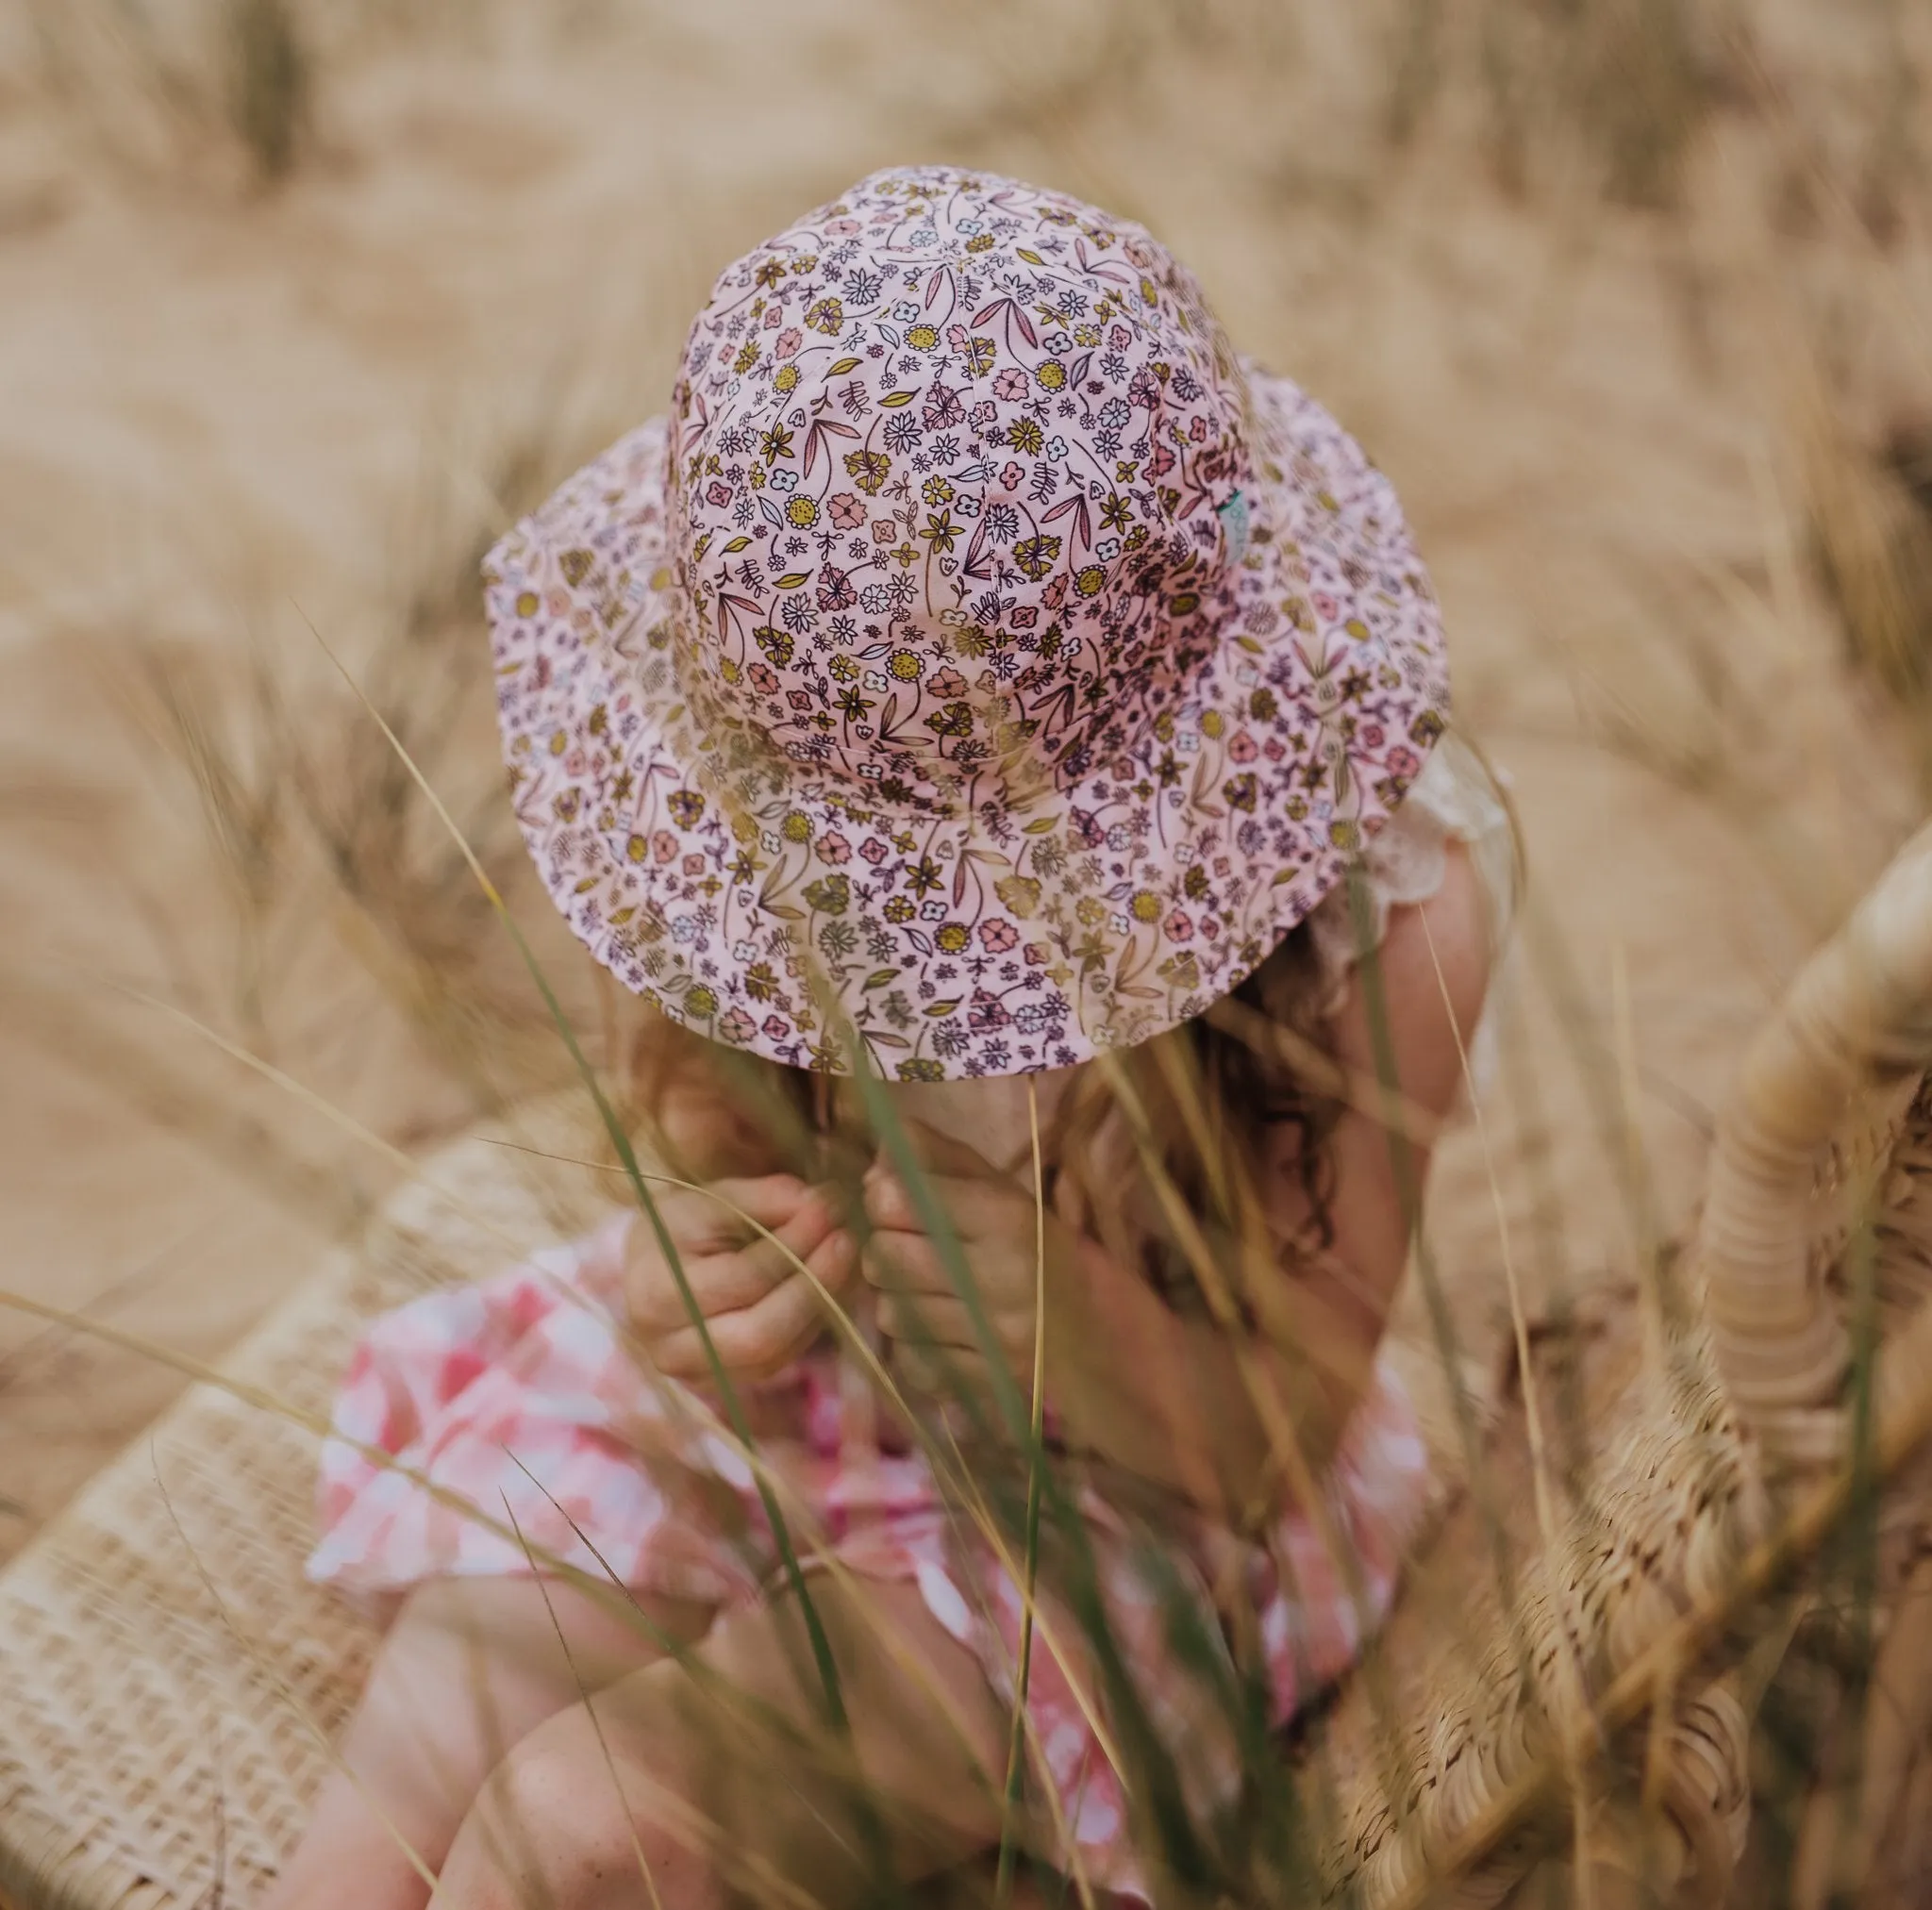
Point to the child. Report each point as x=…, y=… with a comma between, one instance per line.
x=985, y=680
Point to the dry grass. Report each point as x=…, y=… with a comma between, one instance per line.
x=1601, y=116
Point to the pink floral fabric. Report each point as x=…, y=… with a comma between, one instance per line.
x=516, y=1397
x=981, y=662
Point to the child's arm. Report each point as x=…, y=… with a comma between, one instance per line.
x=1171, y=1397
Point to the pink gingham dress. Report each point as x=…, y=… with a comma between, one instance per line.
x=519, y=1396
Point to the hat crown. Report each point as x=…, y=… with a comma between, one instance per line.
x=957, y=489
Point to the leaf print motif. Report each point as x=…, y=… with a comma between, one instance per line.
x=1011, y=317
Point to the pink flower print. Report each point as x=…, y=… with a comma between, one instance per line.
x=774, y=317
x=1222, y=866
x=719, y=492
x=873, y=850
x=835, y=590
x=1056, y=593
x=946, y=684
x=1009, y=387
x=1209, y=927
x=694, y=864
x=846, y=511
x=955, y=337
x=1161, y=462
x=789, y=341
x=1242, y=748
x=1025, y=617
x=1326, y=606
x=763, y=677
x=997, y=936
x=1120, y=337
x=884, y=530
x=987, y=1013
x=1372, y=736
x=798, y=699
x=1197, y=428
x=664, y=846
x=983, y=414
x=834, y=848
x=575, y=763
x=557, y=601
x=1038, y=954
x=1274, y=749
x=842, y=229
x=1402, y=762
x=776, y=1027
x=1179, y=926
x=736, y=1026
x=1011, y=477
x=1144, y=390
x=941, y=408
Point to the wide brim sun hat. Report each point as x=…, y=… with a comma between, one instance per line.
x=981, y=666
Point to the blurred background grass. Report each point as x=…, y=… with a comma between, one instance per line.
x=305, y=298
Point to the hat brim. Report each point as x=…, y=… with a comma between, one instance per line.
x=795, y=915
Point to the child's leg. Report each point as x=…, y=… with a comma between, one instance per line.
x=713, y=1797
x=469, y=1667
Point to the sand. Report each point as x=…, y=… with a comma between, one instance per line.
x=227, y=416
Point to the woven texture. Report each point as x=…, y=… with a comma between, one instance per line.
x=167, y=1681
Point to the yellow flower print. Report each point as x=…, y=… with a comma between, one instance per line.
x=923, y=337
x=1145, y=905
x=1212, y=722
x=953, y=938
x=803, y=512
x=1087, y=335
x=937, y=491
x=827, y=316
x=980, y=241
x=776, y=444
x=797, y=827
x=1025, y=436
x=843, y=667
x=1051, y=376
x=1035, y=556
x=526, y=603
x=898, y=909
x=904, y=667
x=786, y=380
x=701, y=1001
x=868, y=470
x=1090, y=580
x=730, y=669
x=1091, y=910
x=747, y=356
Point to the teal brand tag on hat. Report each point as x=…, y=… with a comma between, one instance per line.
x=1234, y=523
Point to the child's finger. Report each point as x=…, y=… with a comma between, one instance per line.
x=724, y=1273
x=971, y=1206
x=760, y=1339
x=927, y=1319
x=904, y=1261
x=771, y=1200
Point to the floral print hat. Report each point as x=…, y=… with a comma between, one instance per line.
x=980, y=667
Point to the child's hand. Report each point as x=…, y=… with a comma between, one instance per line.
x=997, y=1224
x=761, y=1311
